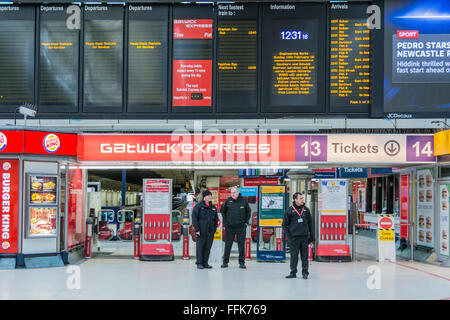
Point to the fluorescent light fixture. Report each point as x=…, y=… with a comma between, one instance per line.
x=6, y=2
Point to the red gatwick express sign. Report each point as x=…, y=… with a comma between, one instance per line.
x=187, y=148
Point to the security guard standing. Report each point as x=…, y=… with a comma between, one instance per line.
x=236, y=214
x=204, y=220
x=297, y=224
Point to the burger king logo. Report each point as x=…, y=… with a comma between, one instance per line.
x=6, y=166
x=51, y=143
x=3, y=141
x=5, y=245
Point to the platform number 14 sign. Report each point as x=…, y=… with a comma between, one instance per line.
x=420, y=148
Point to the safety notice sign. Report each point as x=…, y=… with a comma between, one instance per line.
x=386, y=237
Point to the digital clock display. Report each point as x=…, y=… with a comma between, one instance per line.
x=294, y=35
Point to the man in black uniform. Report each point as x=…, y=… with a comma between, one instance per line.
x=236, y=214
x=297, y=224
x=204, y=220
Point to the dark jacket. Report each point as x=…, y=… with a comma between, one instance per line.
x=294, y=228
x=235, y=213
x=205, y=218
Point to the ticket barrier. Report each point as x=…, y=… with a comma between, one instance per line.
x=186, y=235
x=91, y=234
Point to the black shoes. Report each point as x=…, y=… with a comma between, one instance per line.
x=242, y=266
x=305, y=276
x=207, y=266
x=199, y=266
x=224, y=265
x=291, y=276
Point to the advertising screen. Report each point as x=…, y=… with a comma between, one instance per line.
x=147, y=58
x=417, y=58
x=237, y=57
x=293, y=42
x=16, y=56
x=103, y=55
x=349, y=58
x=58, y=61
x=192, y=58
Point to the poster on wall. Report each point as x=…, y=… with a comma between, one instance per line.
x=272, y=205
x=425, y=223
x=444, y=194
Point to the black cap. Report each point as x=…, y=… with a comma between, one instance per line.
x=206, y=193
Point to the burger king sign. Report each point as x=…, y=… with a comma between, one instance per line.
x=51, y=143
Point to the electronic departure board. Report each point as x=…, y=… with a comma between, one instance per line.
x=58, y=61
x=16, y=56
x=293, y=57
x=350, y=52
x=237, y=57
x=147, y=58
x=192, y=58
x=103, y=55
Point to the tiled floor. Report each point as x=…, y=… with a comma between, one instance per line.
x=115, y=275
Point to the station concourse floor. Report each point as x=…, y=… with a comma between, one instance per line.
x=114, y=275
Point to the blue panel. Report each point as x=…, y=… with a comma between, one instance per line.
x=43, y=262
x=7, y=263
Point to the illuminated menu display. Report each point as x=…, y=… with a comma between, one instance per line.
x=103, y=55
x=16, y=56
x=236, y=57
x=292, y=57
x=192, y=57
x=349, y=58
x=58, y=61
x=147, y=58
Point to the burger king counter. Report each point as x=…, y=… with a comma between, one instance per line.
x=42, y=216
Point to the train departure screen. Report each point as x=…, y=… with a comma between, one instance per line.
x=237, y=57
x=103, y=54
x=192, y=56
x=349, y=58
x=147, y=58
x=16, y=56
x=58, y=61
x=292, y=57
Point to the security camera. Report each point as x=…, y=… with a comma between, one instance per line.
x=26, y=111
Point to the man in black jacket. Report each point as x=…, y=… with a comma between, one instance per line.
x=298, y=225
x=204, y=220
x=236, y=214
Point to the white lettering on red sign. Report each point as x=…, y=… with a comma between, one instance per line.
x=6, y=205
x=407, y=34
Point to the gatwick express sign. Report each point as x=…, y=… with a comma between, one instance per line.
x=257, y=148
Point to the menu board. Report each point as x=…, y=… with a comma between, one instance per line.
x=43, y=190
x=350, y=49
x=293, y=57
x=425, y=223
x=147, y=58
x=16, y=56
x=237, y=57
x=58, y=61
x=42, y=206
x=103, y=55
x=444, y=194
x=192, y=58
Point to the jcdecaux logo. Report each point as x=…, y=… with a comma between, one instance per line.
x=51, y=143
x=3, y=141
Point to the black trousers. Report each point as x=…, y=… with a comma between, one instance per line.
x=230, y=233
x=203, y=248
x=296, y=244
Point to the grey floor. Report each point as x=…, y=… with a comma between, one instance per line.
x=113, y=274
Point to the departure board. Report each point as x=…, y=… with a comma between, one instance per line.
x=147, y=58
x=350, y=51
x=16, y=56
x=103, y=55
x=192, y=58
x=58, y=61
x=237, y=44
x=293, y=57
